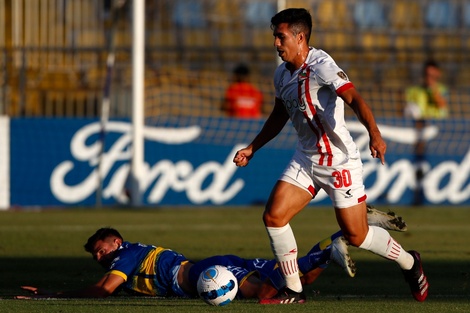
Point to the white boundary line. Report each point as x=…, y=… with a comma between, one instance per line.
x=4, y=162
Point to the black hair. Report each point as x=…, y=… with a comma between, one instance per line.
x=101, y=234
x=299, y=20
x=431, y=63
x=241, y=69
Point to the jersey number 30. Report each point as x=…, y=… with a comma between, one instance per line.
x=342, y=178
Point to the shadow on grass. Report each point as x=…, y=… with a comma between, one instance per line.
x=49, y=273
x=373, y=279
x=384, y=278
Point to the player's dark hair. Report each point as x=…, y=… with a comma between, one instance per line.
x=101, y=234
x=299, y=20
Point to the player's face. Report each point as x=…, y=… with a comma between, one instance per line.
x=286, y=43
x=104, y=250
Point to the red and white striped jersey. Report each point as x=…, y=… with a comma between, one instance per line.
x=310, y=96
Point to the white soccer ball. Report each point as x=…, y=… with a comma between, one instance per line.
x=217, y=285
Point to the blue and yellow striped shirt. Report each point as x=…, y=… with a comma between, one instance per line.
x=147, y=269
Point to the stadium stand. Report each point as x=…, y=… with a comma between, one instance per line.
x=370, y=14
x=330, y=15
x=466, y=14
x=257, y=16
x=405, y=16
x=441, y=14
x=54, y=57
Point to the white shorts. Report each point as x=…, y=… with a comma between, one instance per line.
x=343, y=183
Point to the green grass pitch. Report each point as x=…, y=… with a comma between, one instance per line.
x=45, y=249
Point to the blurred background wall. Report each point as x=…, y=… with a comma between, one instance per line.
x=53, y=66
x=53, y=52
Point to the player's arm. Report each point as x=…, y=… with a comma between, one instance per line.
x=439, y=98
x=103, y=288
x=271, y=128
x=363, y=112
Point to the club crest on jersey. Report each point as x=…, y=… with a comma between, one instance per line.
x=302, y=76
x=342, y=75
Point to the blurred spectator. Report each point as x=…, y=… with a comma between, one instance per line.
x=242, y=99
x=428, y=100
x=424, y=102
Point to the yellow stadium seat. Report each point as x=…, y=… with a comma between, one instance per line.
x=332, y=14
x=225, y=14
x=395, y=77
x=445, y=41
x=406, y=15
x=409, y=41
x=298, y=4
x=333, y=39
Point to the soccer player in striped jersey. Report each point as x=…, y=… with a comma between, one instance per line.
x=311, y=90
x=150, y=270
x=156, y=271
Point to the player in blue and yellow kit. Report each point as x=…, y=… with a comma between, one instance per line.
x=156, y=271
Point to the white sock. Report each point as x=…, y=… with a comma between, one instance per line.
x=284, y=247
x=379, y=241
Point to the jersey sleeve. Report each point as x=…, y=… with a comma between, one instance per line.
x=123, y=265
x=118, y=273
x=331, y=75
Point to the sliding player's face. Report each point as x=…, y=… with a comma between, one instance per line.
x=104, y=251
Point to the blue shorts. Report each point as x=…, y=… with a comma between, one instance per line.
x=169, y=263
x=241, y=268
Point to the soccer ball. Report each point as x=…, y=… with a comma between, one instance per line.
x=217, y=285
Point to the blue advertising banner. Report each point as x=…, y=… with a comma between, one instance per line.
x=188, y=161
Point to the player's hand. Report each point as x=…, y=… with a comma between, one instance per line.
x=34, y=292
x=243, y=157
x=31, y=289
x=378, y=147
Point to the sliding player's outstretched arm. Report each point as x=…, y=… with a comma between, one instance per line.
x=102, y=289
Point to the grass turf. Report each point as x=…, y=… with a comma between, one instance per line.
x=45, y=249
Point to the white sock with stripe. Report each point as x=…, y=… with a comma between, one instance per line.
x=379, y=241
x=284, y=247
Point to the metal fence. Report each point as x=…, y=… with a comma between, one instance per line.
x=53, y=52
